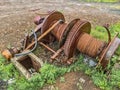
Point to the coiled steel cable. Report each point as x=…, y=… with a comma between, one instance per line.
x=89, y=45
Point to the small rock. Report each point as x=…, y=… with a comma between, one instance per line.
x=92, y=63
x=82, y=80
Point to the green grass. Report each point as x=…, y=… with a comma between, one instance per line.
x=49, y=73
x=100, y=32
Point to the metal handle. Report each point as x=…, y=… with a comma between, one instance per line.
x=106, y=26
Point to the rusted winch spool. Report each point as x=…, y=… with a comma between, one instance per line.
x=75, y=35
x=72, y=36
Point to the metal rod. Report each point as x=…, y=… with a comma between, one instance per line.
x=44, y=34
x=47, y=47
x=57, y=53
x=26, y=41
x=108, y=31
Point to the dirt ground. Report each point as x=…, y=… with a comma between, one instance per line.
x=73, y=81
x=16, y=19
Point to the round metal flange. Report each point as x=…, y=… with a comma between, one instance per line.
x=73, y=36
x=54, y=16
x=48, y=21
x=109, y=51
x=66, y=31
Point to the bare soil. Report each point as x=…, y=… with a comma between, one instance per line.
x=16, y=18
x=73, y=81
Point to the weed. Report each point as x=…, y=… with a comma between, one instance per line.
x=62, y=79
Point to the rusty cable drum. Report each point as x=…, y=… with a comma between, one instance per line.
x=59, y=30
x=73, y=36
x=89, y=45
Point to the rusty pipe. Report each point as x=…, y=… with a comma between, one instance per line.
x=47, y=47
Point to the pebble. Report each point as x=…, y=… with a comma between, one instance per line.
x=82, y=80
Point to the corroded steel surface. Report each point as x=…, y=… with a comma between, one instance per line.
x=106, y=26
x=59, y=30
x=109, y=51
x=70, y=36
x=66, y=32
x=89, y=45
x=73, y=36
x=48, y=21
x=54, y=16
x=9, y=53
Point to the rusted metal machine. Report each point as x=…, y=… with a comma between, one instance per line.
x=70, y=36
